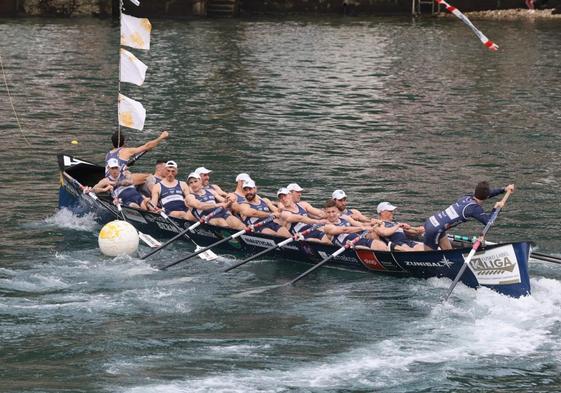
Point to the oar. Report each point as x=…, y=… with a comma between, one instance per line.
x=206, y=255
x=147, y=239
x=301, y=276
x=182, y=233
x=297, y=236
x=533, y=254
x=476, y=246
x=249, y=229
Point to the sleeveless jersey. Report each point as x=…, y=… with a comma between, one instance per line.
x=399, y=236
x=117, y=191
x=207, y=197
x=115, y=154
x=172, y=198
x=261, y=206
x=299, y=226
x=341, y=238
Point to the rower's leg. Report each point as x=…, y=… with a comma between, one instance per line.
x=218, y=222
x=378, y=245
x=235, y=222
x=444, y=243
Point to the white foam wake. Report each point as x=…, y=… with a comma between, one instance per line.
x=66, y=219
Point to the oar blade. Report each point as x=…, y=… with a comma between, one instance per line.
x=208, y=255
x=149, y=240
x=257, y=290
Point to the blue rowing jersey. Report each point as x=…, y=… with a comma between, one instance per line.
x=240, y=198
x=261, y=206
x=299, y=226
x=399, y=236
x=460, y=211
x=115, y=154
x=207, y=197
x=172, y=198
x=341, y=238
x=120, y=188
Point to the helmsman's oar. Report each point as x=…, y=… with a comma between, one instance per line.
x=147, y=239
x=183, y=232
x=296, y=236
x=476, y=246
x=536, y=255
x=135, y=158
x=249, y=229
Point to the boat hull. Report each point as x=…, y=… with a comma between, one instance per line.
x=500, y=267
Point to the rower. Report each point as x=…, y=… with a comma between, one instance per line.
x=297, y=217
x=124, y=154
x=120, y=185
x=160, y=171
x=340, y=199
x=468, y=206
x=394, y=233
x=256, y=209
x=170, y=194
x=238, y=196
x=296, y=193
x=205, y=180
x=205, y=201
x=343, y=229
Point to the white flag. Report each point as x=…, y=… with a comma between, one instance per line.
x=132, y=69
x=131, y=113
x=135, y=32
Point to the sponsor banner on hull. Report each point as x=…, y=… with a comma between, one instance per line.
x=497, y=266
x=340, y=257
x=258, y=242
x=369, y=259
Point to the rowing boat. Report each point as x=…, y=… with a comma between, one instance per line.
x=502, y=267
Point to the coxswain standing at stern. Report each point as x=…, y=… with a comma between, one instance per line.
x=466, y=207
x=205, y=201
x=170, y=194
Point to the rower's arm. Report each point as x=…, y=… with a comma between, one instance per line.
x=128, y=152
x=247, y=211
x=104, y=185
x=291, y=218
x=314, y=211
x=193, y=202
x=155, y=198
x=270, y=205
x=384, y=231
x=358, y=216
x=335, y=230
x=219, y=190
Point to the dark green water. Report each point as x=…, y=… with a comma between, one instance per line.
x=414, y=112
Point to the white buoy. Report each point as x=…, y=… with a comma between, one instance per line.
x=118, y=238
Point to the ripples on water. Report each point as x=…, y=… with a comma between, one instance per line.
x=414, y=112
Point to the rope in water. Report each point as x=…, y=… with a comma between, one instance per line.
x=12, y=102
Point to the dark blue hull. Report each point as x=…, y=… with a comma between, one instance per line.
x=501, y=267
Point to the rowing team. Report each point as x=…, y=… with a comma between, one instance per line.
x=335, y=223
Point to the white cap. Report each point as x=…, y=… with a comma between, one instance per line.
x=294, y=187
x=243, y=177
x=338, y=194
x=113, y=163
x=248, y=183
x=202, y=170
x=385, y=206
x=194, y=176
x=171, y=164
x=283, y=191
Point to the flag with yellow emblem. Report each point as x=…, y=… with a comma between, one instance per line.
x=135, y=32
x=131, y=113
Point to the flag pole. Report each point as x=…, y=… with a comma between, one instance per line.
x=119, y=76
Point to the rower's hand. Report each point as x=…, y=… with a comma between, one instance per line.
x=164, y=135
x=509, y=188
x=404, y=225
x=87, y=190
x=499, y=204
x=375, y=222
x=276, y=214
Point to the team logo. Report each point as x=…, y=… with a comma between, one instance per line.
x=496, y=266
